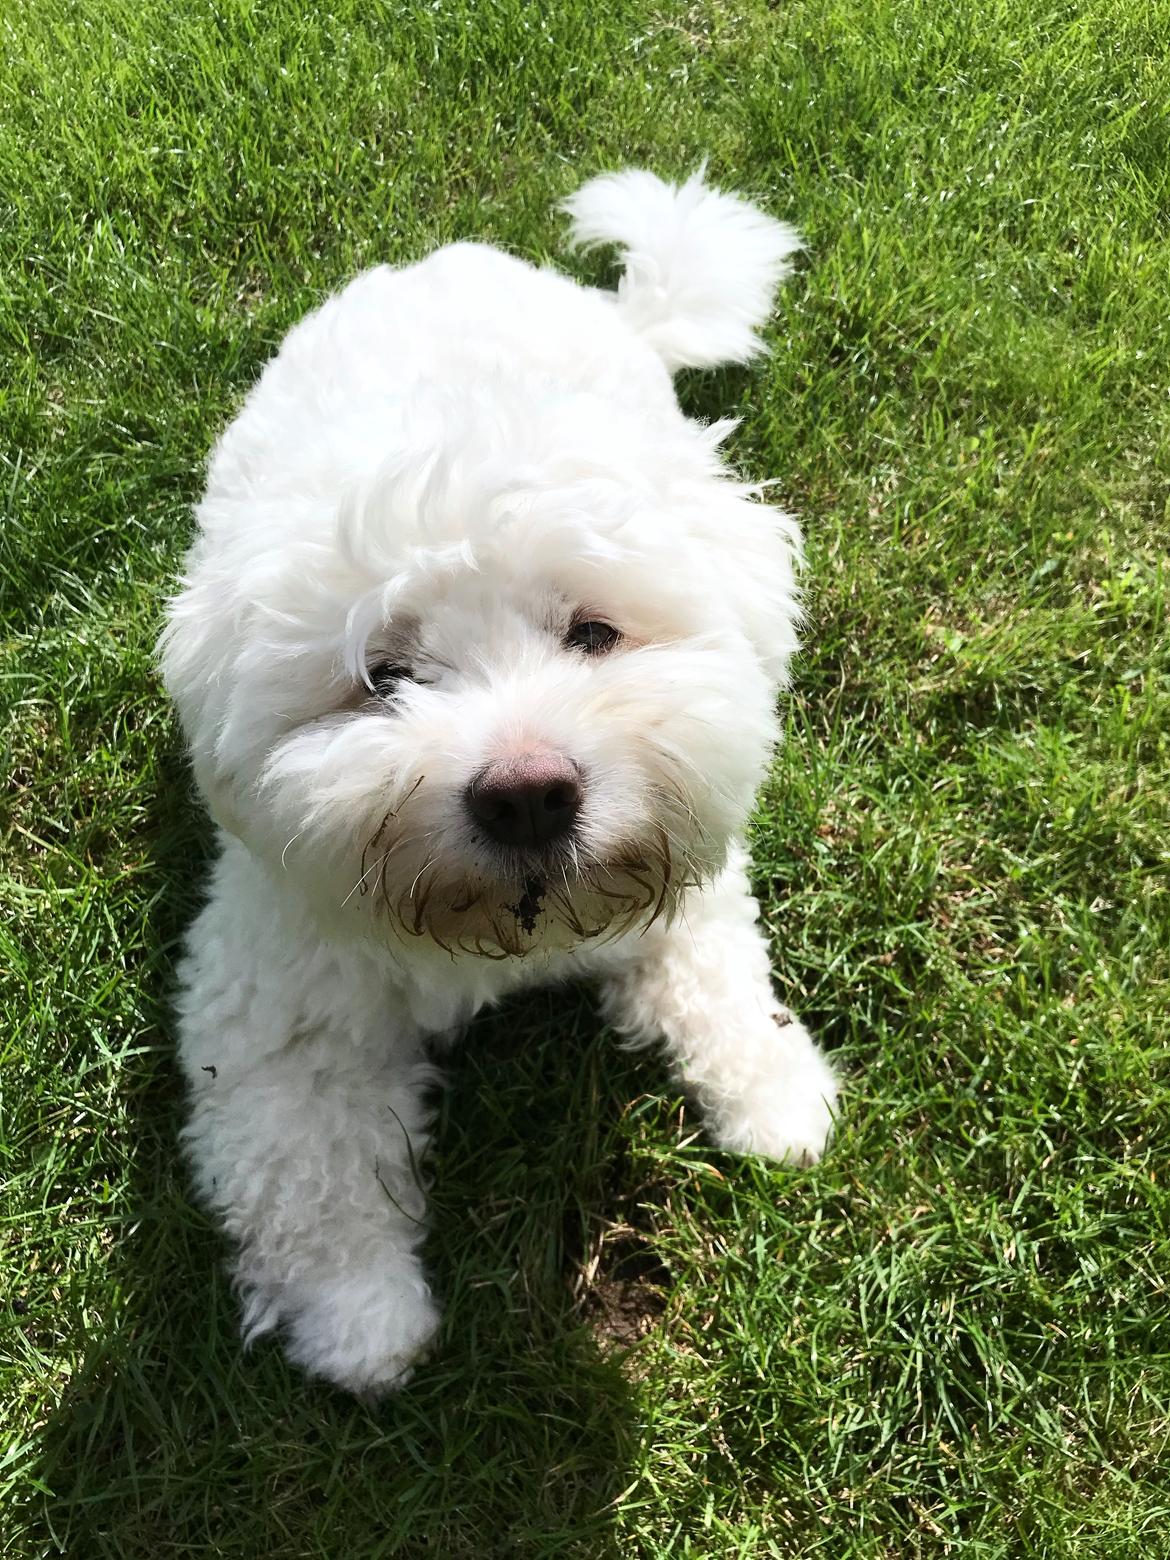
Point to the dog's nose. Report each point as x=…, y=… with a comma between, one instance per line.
x=526, y=800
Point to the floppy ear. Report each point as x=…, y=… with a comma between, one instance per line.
x=756, y=557
x=223, y=671
x=195, y=657
x=194, y=654
x=747, y=549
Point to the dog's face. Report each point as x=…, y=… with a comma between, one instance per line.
x=526, y=766
x=497, y=711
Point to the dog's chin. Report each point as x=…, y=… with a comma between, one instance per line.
x=546, y=902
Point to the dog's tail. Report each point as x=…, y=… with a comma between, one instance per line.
x=701, y=267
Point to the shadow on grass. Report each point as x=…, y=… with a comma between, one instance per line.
x=518, y=1436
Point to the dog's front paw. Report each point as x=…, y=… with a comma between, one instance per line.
x=362, y=1331
x=787, y=1114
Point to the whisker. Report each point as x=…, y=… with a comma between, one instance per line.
x=382, y=860
x=286, y=849
x=421, y=870
x=363, y=878
x=666, y=875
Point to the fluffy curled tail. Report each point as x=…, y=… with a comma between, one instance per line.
x=701, y=267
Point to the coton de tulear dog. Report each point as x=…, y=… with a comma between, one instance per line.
x=477, y=652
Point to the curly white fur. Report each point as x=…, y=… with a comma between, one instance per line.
x=442, y=471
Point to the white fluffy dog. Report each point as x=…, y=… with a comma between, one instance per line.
x=477, y=652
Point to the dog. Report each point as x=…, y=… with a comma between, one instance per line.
x=477, y=652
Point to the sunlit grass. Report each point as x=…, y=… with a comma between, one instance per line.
x=952, y=1337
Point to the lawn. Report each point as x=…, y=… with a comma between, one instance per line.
x=953, y=1336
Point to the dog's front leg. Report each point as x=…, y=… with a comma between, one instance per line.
x=703, y=986
x=308, y=1120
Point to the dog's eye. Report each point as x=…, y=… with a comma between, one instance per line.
x=593, y=637
x=385, y=676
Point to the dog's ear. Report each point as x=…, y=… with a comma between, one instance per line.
x=701, y=267
x=755, y=558
x=195, y=658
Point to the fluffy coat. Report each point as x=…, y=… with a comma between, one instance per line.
x=446, y=478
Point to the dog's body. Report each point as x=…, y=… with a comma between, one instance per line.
x=477, y=652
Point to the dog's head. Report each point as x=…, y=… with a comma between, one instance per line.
x=515, y=690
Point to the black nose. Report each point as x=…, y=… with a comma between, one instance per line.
x=528, y=800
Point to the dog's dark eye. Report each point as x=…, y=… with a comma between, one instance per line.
x=594, y=638
x=385, y=676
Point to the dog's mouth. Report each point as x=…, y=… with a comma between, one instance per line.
x=519, y=913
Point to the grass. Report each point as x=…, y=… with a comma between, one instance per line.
x=952, y=1337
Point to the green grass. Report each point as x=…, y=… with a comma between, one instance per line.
x=951, y=1338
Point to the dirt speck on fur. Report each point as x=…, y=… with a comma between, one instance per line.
x=528, y=906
